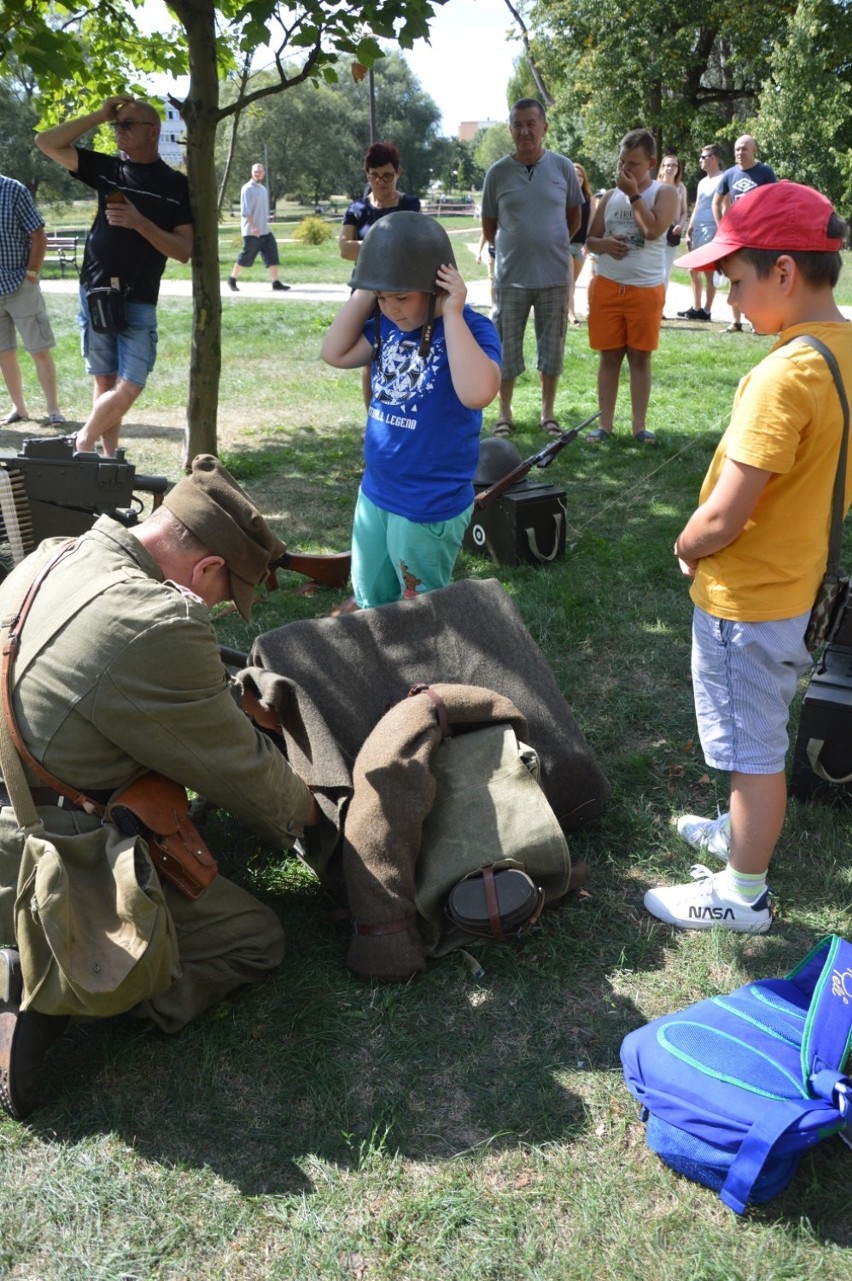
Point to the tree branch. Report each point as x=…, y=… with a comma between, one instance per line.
x=543, y=90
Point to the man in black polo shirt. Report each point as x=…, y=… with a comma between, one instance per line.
x=143, y=219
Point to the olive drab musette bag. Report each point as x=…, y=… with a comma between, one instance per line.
x=736, y=1088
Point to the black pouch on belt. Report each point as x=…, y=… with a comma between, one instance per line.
x=106, y=310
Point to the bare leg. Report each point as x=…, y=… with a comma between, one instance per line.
x=507, y=391
x=104, y=422
x=758, y=807
x=46, y=373
x=710, y=289
x=695, y=281
x=609, y=370
x=11, y=372
x=549, y=384
x=640, y=386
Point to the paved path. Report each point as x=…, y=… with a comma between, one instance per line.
x=257, y=287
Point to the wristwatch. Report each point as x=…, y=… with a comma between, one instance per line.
x=32, y=275
x=633, y=199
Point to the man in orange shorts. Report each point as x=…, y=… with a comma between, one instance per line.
x=628, y=235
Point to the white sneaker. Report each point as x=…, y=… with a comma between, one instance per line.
x=710, y=835
x=704, y=902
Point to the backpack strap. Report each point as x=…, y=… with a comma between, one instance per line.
x=755, y=1150
x=827, y=1035
x=826, y=1041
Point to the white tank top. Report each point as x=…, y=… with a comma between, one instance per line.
x=645, y=264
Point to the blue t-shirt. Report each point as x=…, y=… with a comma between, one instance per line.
x=736, y=182
x=422, y=444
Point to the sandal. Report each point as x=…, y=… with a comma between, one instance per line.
x=597, y=435
x=503, y=427
x=551, y=426
x=644, y=438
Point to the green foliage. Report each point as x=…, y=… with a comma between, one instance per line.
x=18, y=157
x=804, y=121
x=284, y=129
x=313, y=231
x=691, y=72
x=490, y=145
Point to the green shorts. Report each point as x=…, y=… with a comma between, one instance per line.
x=394, y=558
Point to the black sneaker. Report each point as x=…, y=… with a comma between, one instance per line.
x=703, y=314
x=279, y=285
x=232, y=285
x=691, y=313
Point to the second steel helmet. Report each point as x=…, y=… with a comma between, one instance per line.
x=497, y=457
x=401, y=253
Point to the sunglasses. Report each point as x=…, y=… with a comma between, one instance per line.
x=381, y=177
x=129, y=124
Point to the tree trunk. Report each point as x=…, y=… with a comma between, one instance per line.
x=201, y=113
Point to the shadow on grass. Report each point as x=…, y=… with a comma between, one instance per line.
x=317, y=1066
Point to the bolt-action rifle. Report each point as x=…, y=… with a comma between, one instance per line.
x=327, y=571
x=542, y=459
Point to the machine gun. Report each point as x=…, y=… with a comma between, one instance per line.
x=49, y=490
x=542, y=459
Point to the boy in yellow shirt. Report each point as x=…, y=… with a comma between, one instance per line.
x=757, y=544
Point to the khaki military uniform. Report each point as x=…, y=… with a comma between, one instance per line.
x=133, y=682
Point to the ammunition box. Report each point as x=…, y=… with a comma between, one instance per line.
x=527, y=523
x=826, y=718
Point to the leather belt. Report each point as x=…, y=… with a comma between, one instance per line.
x=40, y=795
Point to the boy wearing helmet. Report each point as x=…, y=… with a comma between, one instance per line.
x=435, y=364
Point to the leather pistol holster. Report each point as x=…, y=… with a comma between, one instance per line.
x=157, y=808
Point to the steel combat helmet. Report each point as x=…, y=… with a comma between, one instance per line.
x=401, y=253
x=497, y=457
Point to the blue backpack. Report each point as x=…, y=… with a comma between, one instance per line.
x=736, y=1088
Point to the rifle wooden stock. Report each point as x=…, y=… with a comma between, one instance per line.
x=330, y=571
x=542, y=459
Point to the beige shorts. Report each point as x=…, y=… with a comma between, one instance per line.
x=25, y=311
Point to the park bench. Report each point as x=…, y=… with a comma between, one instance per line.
x=448, y=208
x=63, y=250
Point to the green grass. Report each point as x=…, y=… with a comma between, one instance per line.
x=322, y=1127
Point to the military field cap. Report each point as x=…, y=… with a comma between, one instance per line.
x=781, y=215
x=222, y=516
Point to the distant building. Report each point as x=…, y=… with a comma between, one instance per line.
x=468, y=129
x=173, y=137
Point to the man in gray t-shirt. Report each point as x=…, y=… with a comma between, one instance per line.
x=531, y=205
x=257, y=238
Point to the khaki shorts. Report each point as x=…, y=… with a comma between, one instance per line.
x=624, y=315
x=25, y=311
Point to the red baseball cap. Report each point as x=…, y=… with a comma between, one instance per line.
x=780, y=215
